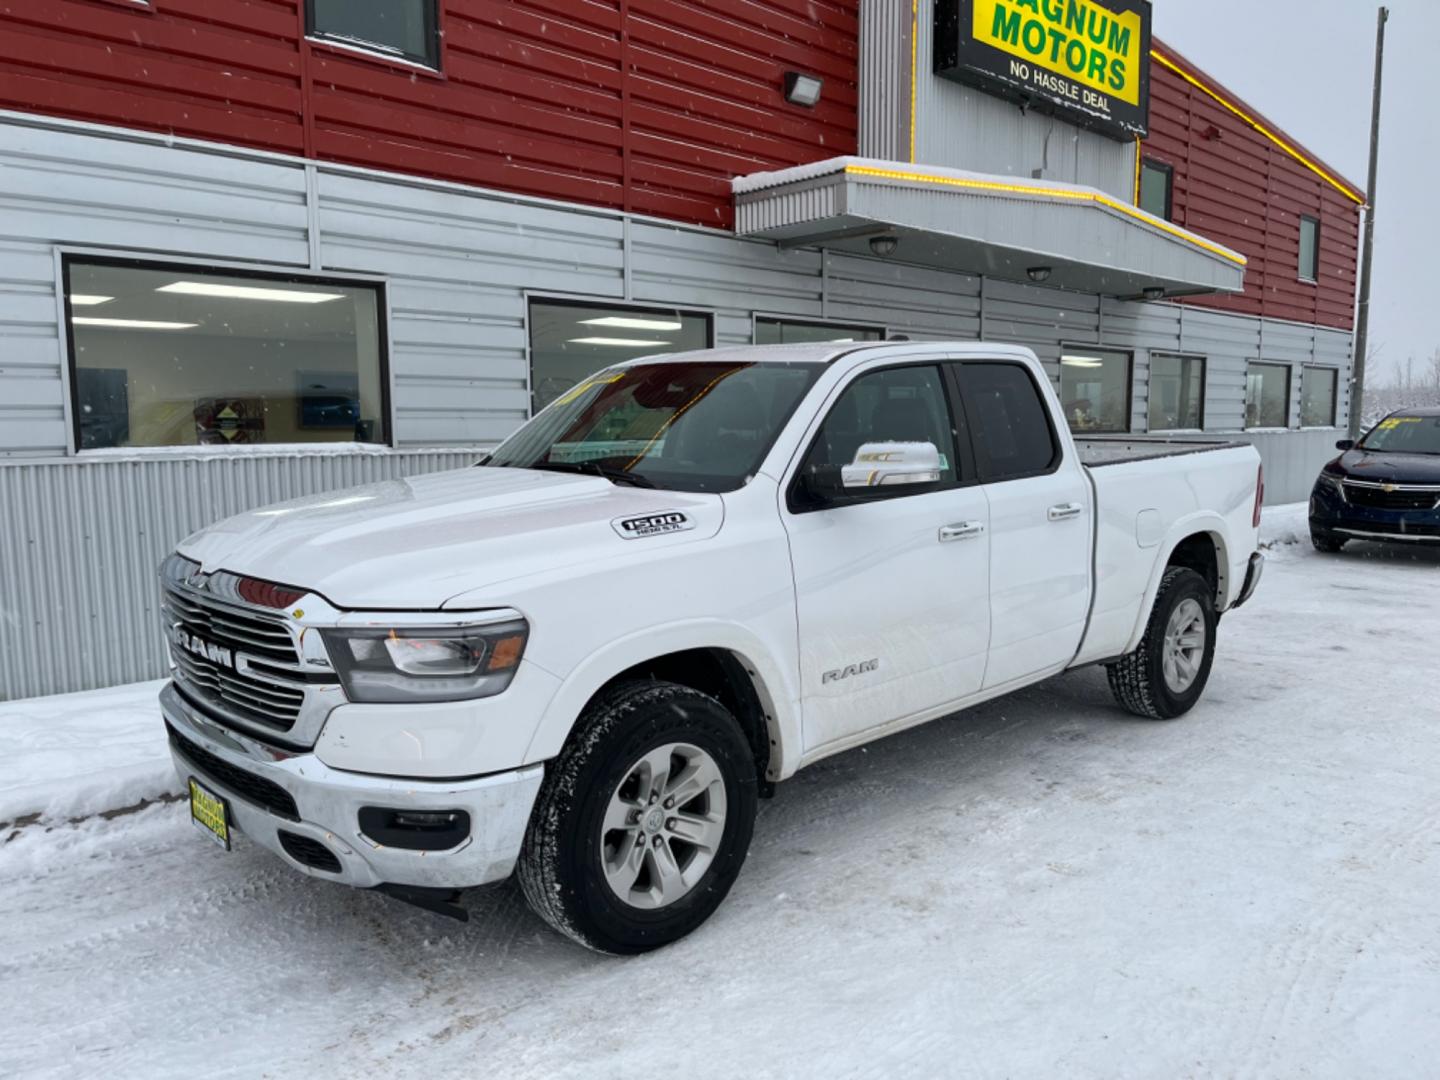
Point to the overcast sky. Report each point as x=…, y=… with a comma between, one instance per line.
x=1308, y=65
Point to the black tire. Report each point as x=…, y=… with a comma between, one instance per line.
x=1138, y=679
x=560, y=869
x=1326, y=541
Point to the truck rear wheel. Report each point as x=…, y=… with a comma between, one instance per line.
x=1166, y=675
x=643, y=821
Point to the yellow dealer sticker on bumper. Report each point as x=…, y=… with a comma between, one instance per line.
x=209, y=813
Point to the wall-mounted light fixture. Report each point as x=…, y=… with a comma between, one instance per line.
x=1038, y=273
x=802, y=89
x=1153, y=292
x=883, y=245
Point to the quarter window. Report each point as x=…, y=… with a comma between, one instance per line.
x=1009, y=424
x=904, y=404
x=792, y=331
x=570, y=341
x=1095, y=389
x=1177, y=390
x=1309, y=249
x=1156, y=180
x=1317, y=396
x=404, y=29
x=1267, y=396
x=175, y=355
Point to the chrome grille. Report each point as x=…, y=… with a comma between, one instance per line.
x=1392, y=496
x=240, y=663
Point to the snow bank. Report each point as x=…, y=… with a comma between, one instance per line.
x=1288, y=523
x=78, y=754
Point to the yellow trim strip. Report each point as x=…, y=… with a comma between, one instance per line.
x=1048, y=193
x=1137, y=170
x=914, y=68
x=1261, y=128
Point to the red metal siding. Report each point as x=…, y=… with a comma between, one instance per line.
x=1236, y=185
x=645, y=105
x=228, y=72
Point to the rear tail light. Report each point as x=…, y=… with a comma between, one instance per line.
x=1259, y=496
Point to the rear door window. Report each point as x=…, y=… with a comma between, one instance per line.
x=1010, y=426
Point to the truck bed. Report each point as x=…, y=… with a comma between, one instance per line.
x=1098, y=451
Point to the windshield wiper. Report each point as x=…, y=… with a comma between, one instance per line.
x=594, y=468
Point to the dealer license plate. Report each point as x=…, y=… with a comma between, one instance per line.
x=210, y=813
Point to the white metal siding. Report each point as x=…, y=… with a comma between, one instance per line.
x=81, y=540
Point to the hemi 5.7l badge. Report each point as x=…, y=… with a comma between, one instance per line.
x=662, y=521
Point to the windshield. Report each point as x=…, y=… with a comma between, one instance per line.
x=685, y=426
x=1404, y=435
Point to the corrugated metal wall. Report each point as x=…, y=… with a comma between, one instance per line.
x=80, y=541
x=885, y=79
x=1238, y=187
x=79, y=538
x=642, y=105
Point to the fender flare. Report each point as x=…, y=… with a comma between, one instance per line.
x=1215, y=527
x=776, y=691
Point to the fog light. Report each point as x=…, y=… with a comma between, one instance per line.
x=415, y=830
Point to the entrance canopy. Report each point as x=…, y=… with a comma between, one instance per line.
x=1069, y=236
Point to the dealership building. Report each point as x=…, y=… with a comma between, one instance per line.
x=250, y=251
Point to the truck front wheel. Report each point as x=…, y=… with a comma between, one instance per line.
x=1166, y=675
x=643, y=821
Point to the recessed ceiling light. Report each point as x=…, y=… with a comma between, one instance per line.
x=133, y=324
x=87, y=300
x=627, y=322
x=629, y=343
x=249, y=292
x=1082, y=361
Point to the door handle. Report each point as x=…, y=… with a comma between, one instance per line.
x=1064, y=511
x=961, y=530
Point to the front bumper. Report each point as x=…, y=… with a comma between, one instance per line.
x=327, y=804
x=1331, y=514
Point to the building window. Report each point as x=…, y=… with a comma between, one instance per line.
x=176, y=355
x=570, y=340
x=1309, y=249
x=403, y=29
x=1177, y=392
x=1317, y=396
x=1267, y=396
x=793, y=331
x=1156, y=182
x=1095, y=389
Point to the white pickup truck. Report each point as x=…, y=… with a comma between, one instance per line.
x=688, y=577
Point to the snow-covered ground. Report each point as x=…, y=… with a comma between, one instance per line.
x=1041, y=887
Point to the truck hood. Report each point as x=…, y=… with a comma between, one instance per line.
x=413, y=544
x=1394, y=468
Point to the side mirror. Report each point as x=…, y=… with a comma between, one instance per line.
x=1345, y=444
x=888, y=464
x=878, y=469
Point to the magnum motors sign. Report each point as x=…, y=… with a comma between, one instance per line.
x=1085, y=59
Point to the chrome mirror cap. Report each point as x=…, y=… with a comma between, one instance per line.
x=884, y=464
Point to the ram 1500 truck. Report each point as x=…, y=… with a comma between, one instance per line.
x=689, y=576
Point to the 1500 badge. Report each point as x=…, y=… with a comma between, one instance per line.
x=662, y=521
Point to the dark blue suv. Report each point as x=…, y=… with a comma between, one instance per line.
x=1385, y=487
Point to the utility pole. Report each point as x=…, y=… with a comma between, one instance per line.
x=1362, y=317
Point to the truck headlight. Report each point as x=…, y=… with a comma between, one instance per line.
x=1335, y=482
x=427, y=663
